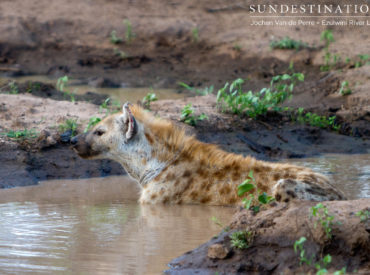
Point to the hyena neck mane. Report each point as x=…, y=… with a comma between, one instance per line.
x=166, y=144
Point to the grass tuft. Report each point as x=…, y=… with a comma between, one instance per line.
x=288, y=43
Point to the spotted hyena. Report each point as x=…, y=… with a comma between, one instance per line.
x=172, y=167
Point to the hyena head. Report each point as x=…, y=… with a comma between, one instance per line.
x=123, y=138
x=118, y=137
x=108, y=136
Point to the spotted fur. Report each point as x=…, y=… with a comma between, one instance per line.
x=172, y=167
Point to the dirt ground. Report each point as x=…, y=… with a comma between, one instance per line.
x=68, y=37
x=56, y=38
x=271, y=247
x=27, y=161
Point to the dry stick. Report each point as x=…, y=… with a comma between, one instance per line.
x=227, y=8
x=268, y=126
x=258, y=148
x=281, y=138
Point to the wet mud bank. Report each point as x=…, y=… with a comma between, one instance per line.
x=271, y=137
x=22, y=166
x=273, y=233
x=43, y=152
x=319, y=93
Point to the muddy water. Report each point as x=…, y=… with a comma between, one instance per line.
x=350, y=173
x=95, y=226
x=122, y=94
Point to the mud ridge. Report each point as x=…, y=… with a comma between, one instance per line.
x=275, y=231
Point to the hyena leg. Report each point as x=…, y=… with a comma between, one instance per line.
x=288, y=189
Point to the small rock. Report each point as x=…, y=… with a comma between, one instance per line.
x=45, y=139
x=66, y=136
x=217, y=251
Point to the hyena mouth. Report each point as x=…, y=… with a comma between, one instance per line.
x=82, y=148
x=85, y=151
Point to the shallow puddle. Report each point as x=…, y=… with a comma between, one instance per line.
x=122, y=94
x=95, y=226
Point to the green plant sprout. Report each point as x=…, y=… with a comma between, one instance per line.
x=255, y=104
x=321, y=212
x=316, y=120
x=32, y=87
x=298, y=248
x=241, y=239
x=188, y=117
x=344, y=88
x=321, y=265
x=69, y=125
x=92, y=122
x=247, y=186
x=204, y=91
x=327, y=37
x=114, y=39
x=129, y=34
x=119, y=53
x=364, y=60
x=110, y=106
x=330, y=60
x=13, y=88
x=288, y=43
x=195, y=34
x=363, y=214
x=359, y=61
x=62, y=82
x=149, y=98
x=21, y=134
x=237, y=47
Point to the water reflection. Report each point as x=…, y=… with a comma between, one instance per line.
x=95, y=226
x=97, y=237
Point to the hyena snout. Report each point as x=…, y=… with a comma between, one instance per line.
x=82, y=147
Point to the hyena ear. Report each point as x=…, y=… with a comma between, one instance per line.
x=129, y=121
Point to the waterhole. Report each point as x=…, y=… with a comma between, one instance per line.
x=77, y=87
x=96, y=226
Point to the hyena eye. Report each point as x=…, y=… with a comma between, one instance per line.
x=99, y=132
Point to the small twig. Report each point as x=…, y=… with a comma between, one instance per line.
x=258, y=148
x=265, y=124
x=281, y=138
